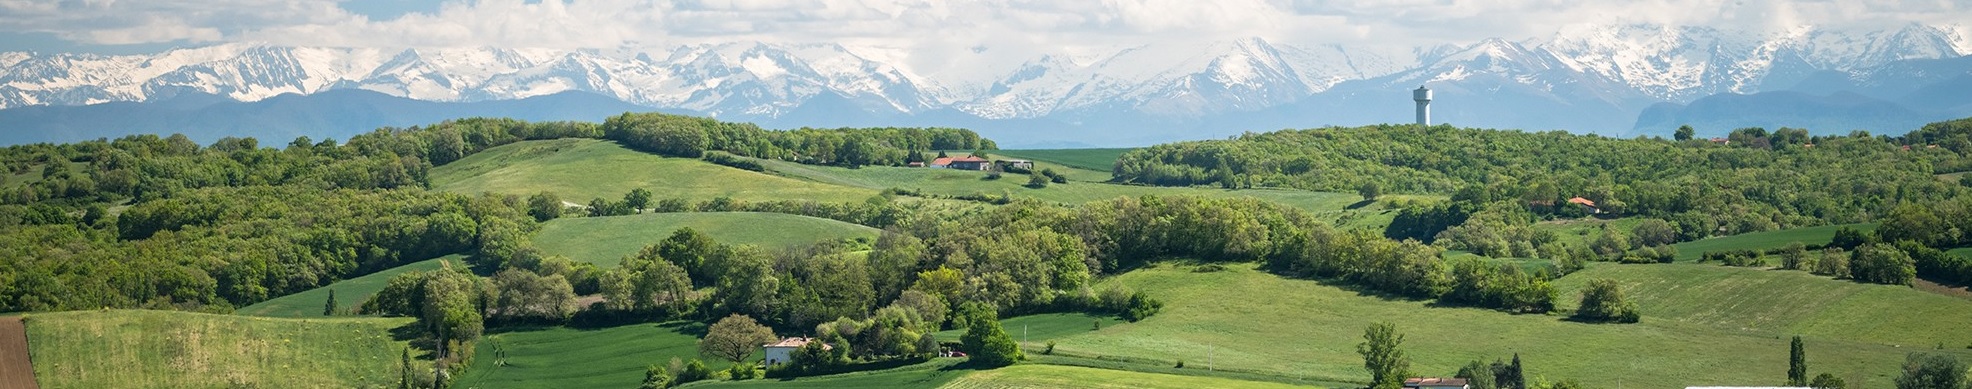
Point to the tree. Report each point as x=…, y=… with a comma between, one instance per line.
x=637, y=199
x=1828, y=381
x=1931, y=371
x=1797, y=363
x=1386, y=363
x=1654, y=232
x=990, y=344
x=1684, y=133
x=689, y=249
x=1602, y=300
x=1516, y=375
x=1478, y=375
x=1883, y=264
x=1794, y=256
x=329, y=308
x=734, y=338
x=405, y=370
x=655, y=377
x=1036, y=181
x=1370, y=191
x=544, y=206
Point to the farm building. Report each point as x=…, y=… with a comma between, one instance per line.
x=1434, y=383
x=1585, y=203
x=1016, y=164
x=961, y=163
x=779, y=352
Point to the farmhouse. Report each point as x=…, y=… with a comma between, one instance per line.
x=1434, y=383
x=961, y=163
x=780, y=352
x=1021, y=164
x=1585, y=203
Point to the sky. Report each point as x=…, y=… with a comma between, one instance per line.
x=140, y=26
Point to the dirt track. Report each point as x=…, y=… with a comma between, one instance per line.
x=15, y=370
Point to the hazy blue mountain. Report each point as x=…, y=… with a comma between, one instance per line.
x=334, y=114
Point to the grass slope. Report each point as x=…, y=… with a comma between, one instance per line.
x=350, y=293
x=1256, y=322
x=606, y=240
x=578, y=170
x=924, y=375
x=562, y=357
x=1765, y=240
x=951, y=182
x=1052, y=376
x=1033, y=331
x=129, y=349
x=1101, y=160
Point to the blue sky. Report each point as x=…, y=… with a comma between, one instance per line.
x=129, y=26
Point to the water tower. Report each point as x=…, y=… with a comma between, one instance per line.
x=1423, y=97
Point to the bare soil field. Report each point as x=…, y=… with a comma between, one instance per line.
x=15, y=370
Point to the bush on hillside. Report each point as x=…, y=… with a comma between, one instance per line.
x=1602, y=301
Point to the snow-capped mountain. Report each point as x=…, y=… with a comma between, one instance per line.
x=1587, y=78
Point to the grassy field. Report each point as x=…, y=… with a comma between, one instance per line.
x=1252, y=321
x=578, y=170
x=950, y=182
x=163, y=349
x=1101, y=160
x=1033, y=331
x=924, y=375
x=562, y=357
x=1053, y=376
x=604, y=241
x=1693, y=250
x=350, y=293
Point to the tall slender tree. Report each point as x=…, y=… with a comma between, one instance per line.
x=329, y=308
x=1797, y=363
x=1386, y=363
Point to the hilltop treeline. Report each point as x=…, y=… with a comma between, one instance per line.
x=1760, y=181
x=688, y=136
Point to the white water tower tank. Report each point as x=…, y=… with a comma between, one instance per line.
x=1423, y=97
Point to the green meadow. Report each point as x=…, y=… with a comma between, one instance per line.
x=1247, y=320
x=562, y=357
x=350, y=293
x=1101, y=160
x=167, y=349
x=1765, y=240
x=604, y=241
x=578, y=170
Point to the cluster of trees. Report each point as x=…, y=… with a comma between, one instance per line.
x=688, y=136
x=1498, y=375
x=1602, y=301
x=1710, y=188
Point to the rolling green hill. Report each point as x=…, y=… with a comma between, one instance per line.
x=562, y=357
x=1764, y=240
x=350, y=293
x=578, y=170
x=606, y=240
x=1253, y=321
x=1052, y=376
x=166, y=349
x=1101, y=160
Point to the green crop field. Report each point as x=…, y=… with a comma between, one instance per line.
x=1765, y=240
x=1248, y=320
x=950, y=182
x=350, y=293
x=1052, y=376
x=604, y=241
x=561, y=357
x=1101, y=160
x=578, y=170
x=165, y=349
x=924, y=375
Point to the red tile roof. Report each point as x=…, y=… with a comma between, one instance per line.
x=1434, y=381
x=1581, y=201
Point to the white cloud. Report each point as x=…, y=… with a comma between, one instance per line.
x=1038, y=25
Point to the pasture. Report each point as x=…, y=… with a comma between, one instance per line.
x=604, y=241
x=350, y=293
x=1764, y=240
x=578, y=170
x=131, y=348
x=562, y=357
x=1251, y=321
x=1101, y=160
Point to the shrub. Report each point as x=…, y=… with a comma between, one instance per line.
x=1602, y=301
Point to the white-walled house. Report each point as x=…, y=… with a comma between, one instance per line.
x=780, y=352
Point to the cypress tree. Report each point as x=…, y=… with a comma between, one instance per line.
x=329, y=309
x=1519, y=375
x=404, y=382
x=1797, y=363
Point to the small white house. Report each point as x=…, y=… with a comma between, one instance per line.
x=780, y=352
x=1434, y=383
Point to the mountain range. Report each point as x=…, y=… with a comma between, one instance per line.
x=1618, y=80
